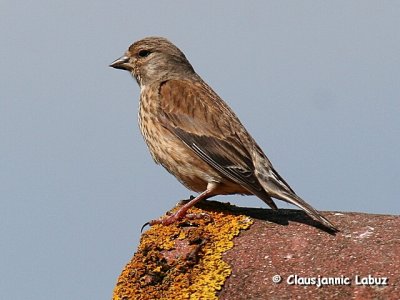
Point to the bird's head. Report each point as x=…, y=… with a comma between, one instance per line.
x=154, y=59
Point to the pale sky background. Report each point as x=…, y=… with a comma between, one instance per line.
x=317, y=83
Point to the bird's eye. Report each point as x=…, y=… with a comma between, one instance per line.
x=144, y=53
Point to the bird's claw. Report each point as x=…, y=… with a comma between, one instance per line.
x=144, y=225
x=176, y=217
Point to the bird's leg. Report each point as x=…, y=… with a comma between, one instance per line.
x=183, y=210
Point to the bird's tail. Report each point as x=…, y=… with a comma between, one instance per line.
x=277, y=187
x=296, y=200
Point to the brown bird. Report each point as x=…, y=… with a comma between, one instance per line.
x=195, y=135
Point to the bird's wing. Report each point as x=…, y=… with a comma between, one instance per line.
x=204, y=123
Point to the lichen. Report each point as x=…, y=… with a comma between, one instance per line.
x=183, y=260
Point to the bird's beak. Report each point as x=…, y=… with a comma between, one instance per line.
x=121, y=63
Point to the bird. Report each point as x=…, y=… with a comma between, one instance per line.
x=196, y=136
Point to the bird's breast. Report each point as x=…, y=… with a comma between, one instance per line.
x=169, y=151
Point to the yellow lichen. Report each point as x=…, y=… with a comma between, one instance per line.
x=184, y=260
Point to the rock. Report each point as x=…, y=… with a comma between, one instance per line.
x=248, y=253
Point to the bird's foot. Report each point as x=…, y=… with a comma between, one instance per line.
x=168, y=220
x=178, y=215
x=171, y=219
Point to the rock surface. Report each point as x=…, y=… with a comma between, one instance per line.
x=286, y=255
x=359, y=257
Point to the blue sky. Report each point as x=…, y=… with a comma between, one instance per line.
x=315, y=82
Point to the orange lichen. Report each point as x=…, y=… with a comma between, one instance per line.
x=182, y=261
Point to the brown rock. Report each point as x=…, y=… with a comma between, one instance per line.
x=360, y=262
x=285, y=244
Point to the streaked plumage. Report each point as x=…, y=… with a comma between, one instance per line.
x=194, y=134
